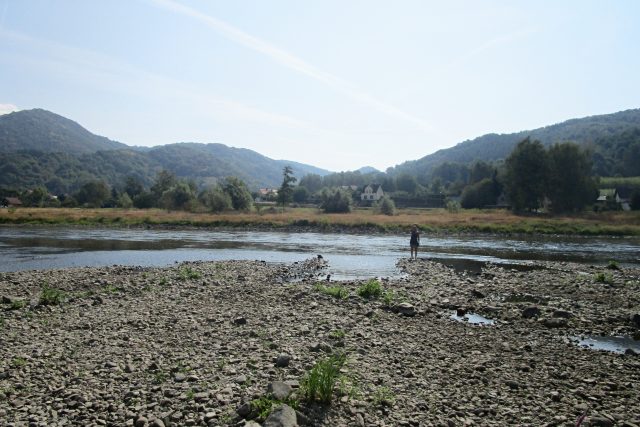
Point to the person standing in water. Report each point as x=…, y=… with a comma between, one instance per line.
x=414, y=242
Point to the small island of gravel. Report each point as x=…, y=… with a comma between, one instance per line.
x=208, y=343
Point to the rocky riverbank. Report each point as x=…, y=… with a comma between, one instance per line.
x=202, y=343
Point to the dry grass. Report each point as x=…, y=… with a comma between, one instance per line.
x=494, y=221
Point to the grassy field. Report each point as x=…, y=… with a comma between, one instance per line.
x=432, y=220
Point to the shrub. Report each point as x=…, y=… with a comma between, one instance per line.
x=319, y=383
x=453, y=206
x=604, y=278
x=613, y=265
x=51, y=296
x=335, y=291
x=371, y=289
x=189, y=273
x=386, y=206
x=336, y=201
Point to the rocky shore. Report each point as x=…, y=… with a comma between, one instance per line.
x=207, y=344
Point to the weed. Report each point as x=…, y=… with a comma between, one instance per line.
x=190, y=394
x=334, y=291
x=337, y=334
x=51, y=296
x=17, y=304
x=159, y=377
x=188, y=273
x=319, y=383
x=347, y=388
x=163, y=282
x=110, y=289
x=391, y=298
x=263, y=406
x=18, y=362
x=383, y=396
x=371, y=289
x=613, y=265
x=604, y=278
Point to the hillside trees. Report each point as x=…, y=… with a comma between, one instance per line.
x=93, y=194
x=238, y=192
x=570, y=185
x=526, y=175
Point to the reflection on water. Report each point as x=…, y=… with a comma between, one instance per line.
x=613, y=344
x=349, y=255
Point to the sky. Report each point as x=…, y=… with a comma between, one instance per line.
x=338, y=84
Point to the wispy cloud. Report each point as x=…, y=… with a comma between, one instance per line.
x=8, y=108
x=103, y=71
x=292, y=62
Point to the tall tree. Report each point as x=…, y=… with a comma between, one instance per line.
x=571, y=186
x=239, y=193
x=285, y=193
x=526, y=175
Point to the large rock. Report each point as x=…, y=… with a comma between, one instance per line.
x=279, y=390
x=405, y=309
x=531, y=312
x=284, y=416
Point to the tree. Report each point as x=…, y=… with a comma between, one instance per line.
x=285, y=193
x=180, y=196
x=238, y=192
x=479, y=171
x=480, y=194
x=164, y=181
x=300, y=194
x=36, y=197
x=336, y=200
x=312, y=182
x=124, y=201
x=386, y=206
x=406, y=182
x=571, y=186
x=215, y=199
x=93, y=194
x=526, y=175
x=133, y=186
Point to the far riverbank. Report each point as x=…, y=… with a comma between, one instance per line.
x=359, y=221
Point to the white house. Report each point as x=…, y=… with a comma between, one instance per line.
x=372, y=193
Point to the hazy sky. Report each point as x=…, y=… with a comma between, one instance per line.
x=338, y=84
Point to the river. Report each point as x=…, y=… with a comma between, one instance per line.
x=350, y=255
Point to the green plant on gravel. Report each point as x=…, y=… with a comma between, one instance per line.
x=604, y=278
x=319, y=382
x=383, y=396
x=613, y=265
x=391, y=297
x=370, y=290
x=18, y=362
x=337, y=291
x=337, y=334
x=163, y=282
x=159, y=377
x=51, y=296
x=190, y=394
x=17, y=304
x=187, y=273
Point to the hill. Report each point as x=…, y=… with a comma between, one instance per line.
x=599, y=133
x=43, y=130
x=38, y=147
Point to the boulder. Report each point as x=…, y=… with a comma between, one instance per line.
x=531, y=312
x=284, y=416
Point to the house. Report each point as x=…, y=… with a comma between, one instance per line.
x=623, y=198
x=372, y=193
x=10, y=202
x=614, y=199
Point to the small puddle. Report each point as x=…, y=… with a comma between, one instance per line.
x=615, y=344
x=472, y=318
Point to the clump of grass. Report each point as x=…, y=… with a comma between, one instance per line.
x=264, y=405
x=318, y=384
x=188, y=273
x=51, y=296
x=18, y=362
x=613, y=265
x=337, y=291
x=17, y=304
x=370, y=290
x=337, y=334
x=604, y=278
x=159, y=377
x=383, y=396
x=391, y=298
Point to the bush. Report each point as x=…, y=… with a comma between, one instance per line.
x=335, y=291
x=51, y=296
x=371, y=289
x=336, y=201
x=386, y=206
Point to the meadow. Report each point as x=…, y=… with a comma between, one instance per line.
x=428, y=220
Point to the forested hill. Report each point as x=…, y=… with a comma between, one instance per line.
x=43, y=130
x=40, y=148
x=600, y=133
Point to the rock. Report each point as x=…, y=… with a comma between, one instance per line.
x=141, y=422
x=635, y=320
x=244, y=410
x=477, y=294
x=282, y=361
x=531, y=312
x=321, y=346
x=460, y=312
x=359, y=420
x=598, y=421
x=405, y=309
x=240, y=321
x=555, y=322
x=179, y=377
x=562, y=314
x=279, y=390
x=284, y=416
x=157, y=423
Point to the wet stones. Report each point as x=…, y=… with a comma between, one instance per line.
x=531, y=312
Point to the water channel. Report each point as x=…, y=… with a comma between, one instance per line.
x=350, y=256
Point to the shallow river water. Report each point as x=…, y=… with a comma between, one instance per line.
x=349, y=255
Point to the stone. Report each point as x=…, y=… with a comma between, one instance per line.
x=405, y=309
x=530, y=312
x=555, y=322
x=284, y=416
x=282, y=361
x=240, y=321
x=244, y=410
x=157, y=423
x=562, y=314
x=279, y=390
x=599, y=421
x=141, y=422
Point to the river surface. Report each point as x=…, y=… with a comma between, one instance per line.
x=350, y=256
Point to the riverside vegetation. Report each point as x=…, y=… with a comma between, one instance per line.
x=250, y=343
x=304, y=219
